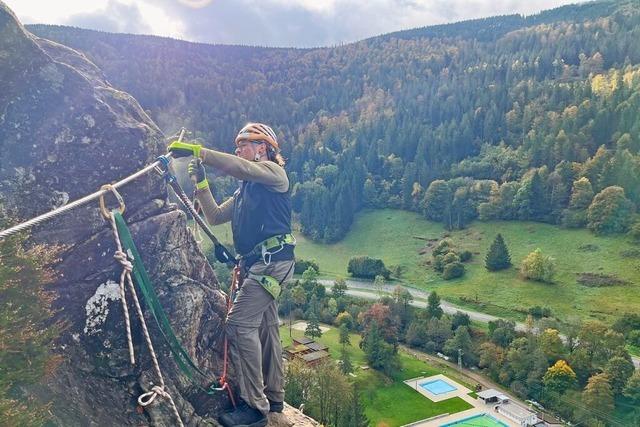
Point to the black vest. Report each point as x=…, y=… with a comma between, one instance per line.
x=258, y=214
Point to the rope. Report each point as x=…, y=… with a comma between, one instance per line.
x=86, y=199
x=127, y=268
x=146, y=398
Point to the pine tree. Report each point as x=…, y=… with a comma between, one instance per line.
x=498, y=257
x=313, y=326
x=27, y=332
x=345, y=361
x=354, y=416
x=344, y=336
x=433, y=306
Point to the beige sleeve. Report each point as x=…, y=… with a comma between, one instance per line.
x=214, y=213
x=268, y=173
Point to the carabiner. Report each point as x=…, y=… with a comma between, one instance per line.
x=103, y=206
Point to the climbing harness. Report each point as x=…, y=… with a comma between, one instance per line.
x=267, y=247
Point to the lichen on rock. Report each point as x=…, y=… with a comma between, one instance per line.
x=97, y=307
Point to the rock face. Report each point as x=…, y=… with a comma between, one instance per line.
x=64, y=131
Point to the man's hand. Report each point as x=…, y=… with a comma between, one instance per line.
x=197, y=173
x=183, y=149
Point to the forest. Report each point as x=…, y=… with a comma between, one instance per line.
x=511, y=117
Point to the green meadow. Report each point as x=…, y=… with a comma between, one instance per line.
x=401, y=238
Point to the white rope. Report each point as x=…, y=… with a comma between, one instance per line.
x=127, y=268
x=147, y=398
x=86, y=199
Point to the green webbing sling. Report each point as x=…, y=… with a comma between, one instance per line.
x=182, y=358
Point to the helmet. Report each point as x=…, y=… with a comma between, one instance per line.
x=258, y=132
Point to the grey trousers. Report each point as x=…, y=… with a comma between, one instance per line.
x=254, y=339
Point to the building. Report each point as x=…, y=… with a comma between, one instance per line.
x=503, y=405
x=492, y=396
x=517, y=413
x=310, y=352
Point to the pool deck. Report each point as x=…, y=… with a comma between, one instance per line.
x=460, y=390
x=479, y=407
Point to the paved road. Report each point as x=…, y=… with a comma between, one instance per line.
x=364, y=289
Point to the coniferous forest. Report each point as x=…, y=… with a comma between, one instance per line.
x=525, y=118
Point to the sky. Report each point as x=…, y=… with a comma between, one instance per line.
x=283, y=23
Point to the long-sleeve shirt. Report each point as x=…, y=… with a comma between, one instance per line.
x=270, y=174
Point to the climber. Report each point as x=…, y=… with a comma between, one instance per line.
x=260, y=215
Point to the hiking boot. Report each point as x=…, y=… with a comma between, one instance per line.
x=275, y=406
x=243, y=416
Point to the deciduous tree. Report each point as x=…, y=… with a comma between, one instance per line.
x=610, y=212
x=538, y=267
x=559, y=377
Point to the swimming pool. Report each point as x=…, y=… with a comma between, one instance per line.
x=438, y=387
x=480, y=420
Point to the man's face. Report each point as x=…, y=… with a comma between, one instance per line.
x=248, y=150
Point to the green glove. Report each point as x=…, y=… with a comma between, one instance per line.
x=197, y=173
x=183, y=149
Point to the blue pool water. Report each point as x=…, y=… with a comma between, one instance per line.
x=438, y=387
x=480, y=420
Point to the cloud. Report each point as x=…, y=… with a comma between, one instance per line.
x=129, y=16
x=116, y=17
x=297, y=23
x=310, y=23
x=196, y=3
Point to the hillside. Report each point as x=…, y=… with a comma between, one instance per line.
x=510, y=97
x=398, y=238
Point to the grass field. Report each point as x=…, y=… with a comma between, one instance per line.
x=391, y=235
x=388, y=401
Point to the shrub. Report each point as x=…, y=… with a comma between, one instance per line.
x=302, y=265
x=634, y=232
x=442, y=247
x=630, y=253
x=539, y=312
x=450, y=257
x=465, y=256
x=538, y=267
x=430, y=347
x=438, y=263
x=368, y=268
x=634, y=338
x=453, y=270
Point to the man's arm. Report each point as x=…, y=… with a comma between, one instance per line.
x=268, y=173
x=215, y=214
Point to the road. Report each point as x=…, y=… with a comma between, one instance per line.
x=367, y=290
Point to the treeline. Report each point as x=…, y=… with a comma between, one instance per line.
x=374, y=123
